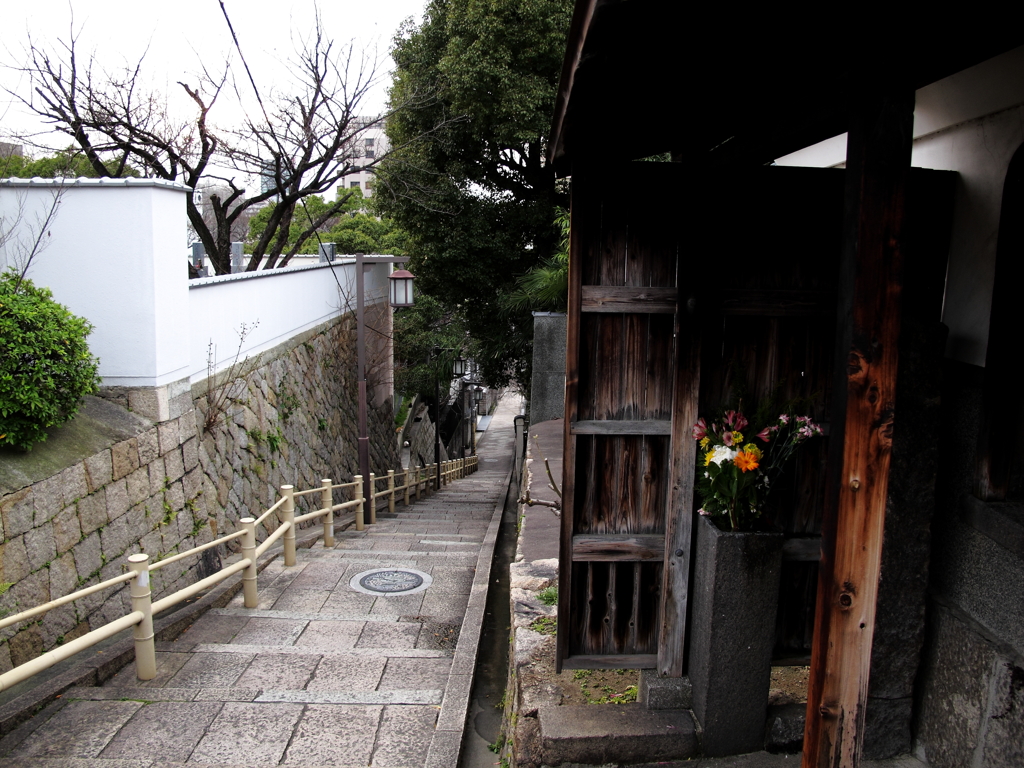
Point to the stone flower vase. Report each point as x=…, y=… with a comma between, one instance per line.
x=735, y=598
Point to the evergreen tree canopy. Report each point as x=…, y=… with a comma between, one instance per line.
x=468, y=181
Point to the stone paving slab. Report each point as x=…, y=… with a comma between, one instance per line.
x=318, y=674
x=170, y=729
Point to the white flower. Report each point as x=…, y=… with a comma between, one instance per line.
x=723, y=453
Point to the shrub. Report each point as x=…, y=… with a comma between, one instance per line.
x=45, y=365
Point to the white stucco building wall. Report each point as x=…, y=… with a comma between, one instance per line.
x=113, y=255
x=972, y=123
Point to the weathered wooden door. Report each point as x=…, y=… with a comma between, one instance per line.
x=621, y=357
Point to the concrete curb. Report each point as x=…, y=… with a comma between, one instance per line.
x=446, y=742
x=106, y=659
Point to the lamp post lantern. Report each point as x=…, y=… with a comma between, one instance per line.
x=400, y=288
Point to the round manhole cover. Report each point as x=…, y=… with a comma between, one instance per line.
x=390, y=581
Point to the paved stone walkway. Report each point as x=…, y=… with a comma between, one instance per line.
x=321, y=673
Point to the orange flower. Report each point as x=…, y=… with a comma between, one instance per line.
x=745, y=461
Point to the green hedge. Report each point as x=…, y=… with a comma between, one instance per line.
x=45, y=365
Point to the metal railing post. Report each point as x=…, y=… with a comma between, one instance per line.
x=357, y=493
x=391, y=491
x=327, y=502
x=145, y=649
x=288, y=516
x=250, y=594
x=373, y=498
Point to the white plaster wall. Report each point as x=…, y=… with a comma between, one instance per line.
x=113, y=256
x=282, y=302
x=971, y=122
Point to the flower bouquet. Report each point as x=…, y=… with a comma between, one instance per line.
x=734, y=475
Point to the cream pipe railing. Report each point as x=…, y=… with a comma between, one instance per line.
x=140, y=619
x=412, y=480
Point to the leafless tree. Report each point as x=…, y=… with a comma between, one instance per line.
x=303, y=141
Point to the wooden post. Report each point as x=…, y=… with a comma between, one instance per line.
x=417, y=483
x=250, y=595
x=877, y=167
x=405, y=482
x=288, y=516
x=357, y=493
x=145, y=649
x=373, y=498
x=675, y=578
x=391, y=491
x=327, y=502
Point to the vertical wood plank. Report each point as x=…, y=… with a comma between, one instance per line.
x=679, y=515
x=577, y=259
x=878, y=164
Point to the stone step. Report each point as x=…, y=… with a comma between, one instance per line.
x=407, y=696
x=615, y=733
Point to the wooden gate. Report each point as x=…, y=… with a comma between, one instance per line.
x=689, y=289
x=620, y=354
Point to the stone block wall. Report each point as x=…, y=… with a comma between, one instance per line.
x=77, y=528
x=288, y=417
x=970, y=690
x=290, y=420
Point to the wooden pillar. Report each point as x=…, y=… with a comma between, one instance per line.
x=878, y=165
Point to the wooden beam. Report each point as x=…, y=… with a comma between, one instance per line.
x=878, y=165
x=621, y=661
x=618, y=548
x=621, y=427
x=629, y=299
x=777, y=303
x=675, y=585
x=583, y=219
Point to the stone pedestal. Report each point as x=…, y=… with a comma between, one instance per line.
x=736, y=587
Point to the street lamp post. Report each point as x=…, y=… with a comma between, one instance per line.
x=400, y=293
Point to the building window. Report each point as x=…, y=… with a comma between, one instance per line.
x=369, y=143
x=353, y=185
x=370, y=154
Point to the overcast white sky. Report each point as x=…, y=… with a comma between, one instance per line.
x=180, y=33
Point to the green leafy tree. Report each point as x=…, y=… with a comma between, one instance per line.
x=67, y=164
x=45, y=364
x=363, y=233
x=474, y=195
x=545, y=287
x=419, y=330
x=313, y=214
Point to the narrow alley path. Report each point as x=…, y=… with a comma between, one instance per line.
x=358, y=655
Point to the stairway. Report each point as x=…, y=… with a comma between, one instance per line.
x=322, y=672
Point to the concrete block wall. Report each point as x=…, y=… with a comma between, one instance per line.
x=547, y=385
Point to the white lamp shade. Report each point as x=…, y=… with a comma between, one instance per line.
x=400, y=288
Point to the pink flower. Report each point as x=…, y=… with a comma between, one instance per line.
x=735, y=420
x=704, y=512
x=700, y=429
x=783, y=418
x=764, y=435
x=727, y=438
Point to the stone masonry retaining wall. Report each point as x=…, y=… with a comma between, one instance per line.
x=177, y=484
